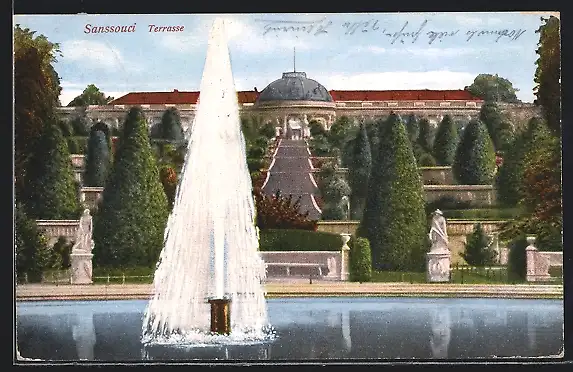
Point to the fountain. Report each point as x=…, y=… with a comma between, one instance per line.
x=208, y=281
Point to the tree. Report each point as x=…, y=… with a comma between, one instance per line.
x=499, y=128
x=131, y=220
x=90, y=96
x=361, y=261
x=412, y=127
x=36, y=93
x=32, y=252
x=509, y=179
x=424, y=140
x=548, y=72
x=394, y=220
x=474, y=163
x=446, y=142
x=316, y=128
x=359, y=172
x=51, y=191
x=98, y=159
x=280, y=212
x=170, y=128
x=477, y=248
x=333, y=194
x=79, y=121
x=339, y=130
x=493, y=88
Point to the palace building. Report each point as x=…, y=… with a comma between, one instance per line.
x=294, y=100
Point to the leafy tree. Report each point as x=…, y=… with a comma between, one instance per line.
x=170, y=128
x=510, y=177
x=51, y=191
x=280, y=212
x=499, y=128
x=493, y=88
x=333, y=193
x=319, y=145
x=548, y=72
x=32, y=252
x=359, y=172
x=474, y=163
x=516, y=260
x=98, y=159
x=394, y=220
x=446, y=142
x=316, y=128
x=36, y=93
x=268, y=130
x=338, y=132
x=372, y=132
x=168, y=178
x=80, y=121
x=131, y=220
x=477, y=248
x=90, y=96
x=361, y=261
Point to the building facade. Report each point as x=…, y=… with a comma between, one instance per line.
x=292, y=101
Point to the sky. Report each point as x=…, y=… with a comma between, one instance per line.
x=366, y=51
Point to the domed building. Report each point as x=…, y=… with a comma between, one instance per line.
x=292, y=101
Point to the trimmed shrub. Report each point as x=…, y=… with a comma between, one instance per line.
x=316, y=128
x=282, y=240
x=32, y=252
x=50, y=191
x=255, y=164
x=98, y=160
x=481, y=214
x=268, y=131
x=131, y=220
x=412, y=127
x=499, y=128
x=477, y=251
x=446, y=142
x=394, y=220
x=73, y=145
x=424, y=139
x=516, y=260
x=66, y=128
x=474, y=163
x=360, y=261
x=359, y=172
x=426, y=160
x=170, y=126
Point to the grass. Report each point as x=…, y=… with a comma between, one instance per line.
x=127, y=275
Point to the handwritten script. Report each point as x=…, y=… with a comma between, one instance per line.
x=407, y=33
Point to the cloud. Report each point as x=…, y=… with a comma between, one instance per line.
x=397, y=80
x=97, y=54
x=241, y=36
x=71, y=90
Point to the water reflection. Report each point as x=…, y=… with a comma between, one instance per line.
x=313, y=329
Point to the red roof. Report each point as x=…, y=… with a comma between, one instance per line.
x=178, y=98
x=402, y=95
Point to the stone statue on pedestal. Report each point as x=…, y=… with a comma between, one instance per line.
x=84, y=241
x=438, y=232
x=81, y=256
x=439, y=257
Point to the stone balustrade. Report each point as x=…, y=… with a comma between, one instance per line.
x=477, y=195
x=53, y=229
x=538, y=263
x=441, y=175
x=278, y=261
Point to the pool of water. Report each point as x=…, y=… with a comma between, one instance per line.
x=308, y=329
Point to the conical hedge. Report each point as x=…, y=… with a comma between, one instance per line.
x=394, y=219
x=446, y=142
x=130, y=224
x=359, y=172
x=475, y=157
x=98, y=159
x=51, y=191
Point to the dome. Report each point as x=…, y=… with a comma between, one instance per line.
x=294, y=86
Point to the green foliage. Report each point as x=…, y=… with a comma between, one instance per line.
x=333, y=192
x=493, y=88
x=268, y=131
x=66, y=128
x=339, y=131
x=474, y=163
x=32, y=252
x=499, y=128
x=98, y=160
x=316, y=128
x=426, y=160
x=320, y=146
x=477, y=248
x=412, y=127
x=170, y=128
x=90, y=96
x=129, y=226
x=359, y=172
x=496, y=214
x=61, y=253
x=280, y=240
x=516, y=260
x=280, y=212
x=425, y=135
x=80, y=122
x=73, y=146
x=36, y=93
x=446, y=142
x=361, y=261
x=548, y=72
x=394, y=220
x=372, y=132
x=50, y=191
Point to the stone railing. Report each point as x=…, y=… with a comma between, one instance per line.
x=90, y=196
x=437, y=175
x=538, y=263
x=78, y=160
x=53, y=229
x=477, y=195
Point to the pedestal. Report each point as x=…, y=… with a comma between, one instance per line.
x=438, y=266
x=81, y=268
x=220, y=315
x=344, y=257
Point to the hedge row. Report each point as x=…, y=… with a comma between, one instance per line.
x=482, y=214
x=298, y=240
x=77, y=145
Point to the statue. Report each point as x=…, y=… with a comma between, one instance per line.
x=84, y=242
x=331, y=262
x=438, y=233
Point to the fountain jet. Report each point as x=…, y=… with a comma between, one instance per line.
x=210, y=254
